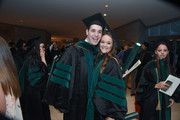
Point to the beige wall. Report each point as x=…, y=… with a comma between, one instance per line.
x=135, y=31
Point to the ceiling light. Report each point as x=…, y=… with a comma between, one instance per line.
x=105, y=14
x=21, y=21
x=139, y=44
x=106, y=6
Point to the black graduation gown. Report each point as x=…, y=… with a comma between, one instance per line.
x=33, y=79
x=68, y=87
x=19, y=57
x=144, y=56
x=110, y=94
x=147, y=95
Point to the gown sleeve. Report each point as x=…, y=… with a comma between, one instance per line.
x=37, y=74
x=146, y=86
x=59, y=89
x=176, y=95
x=110, y=95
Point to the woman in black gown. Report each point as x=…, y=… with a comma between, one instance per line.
x=154, y=104
x=33, y=79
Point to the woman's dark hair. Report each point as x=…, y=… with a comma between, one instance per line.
x=163, y=41
x=34, y=51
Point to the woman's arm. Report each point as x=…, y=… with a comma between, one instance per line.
x=2, y=101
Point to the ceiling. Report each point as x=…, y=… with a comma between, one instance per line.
x=63, y=18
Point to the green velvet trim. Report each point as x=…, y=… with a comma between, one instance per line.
x=140, y=90
x=131, y=57
x=87, y=46
x=112, y=89
x=62, y=74
x=35, y=81
x=90, y=105
x=111, y=98
x=164, y=75
x=64, y=67
x=60, y=81
x=34, y=69
x=168, y=113
x=113, y=80
x=34, y=76
x=151, y=64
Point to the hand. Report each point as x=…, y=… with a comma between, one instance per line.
x=42, y=54
x=108, y=118
x=171, y=104
x=126, y=71
x=43, y=59
x=162, y=85
x=54, y=43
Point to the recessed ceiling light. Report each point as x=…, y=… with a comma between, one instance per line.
x=106, y=6
x=105, y=14
x=139, y=44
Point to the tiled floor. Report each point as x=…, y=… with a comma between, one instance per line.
x=56, y=115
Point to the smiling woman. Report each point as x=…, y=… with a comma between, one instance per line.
x=109, y=96
x=106, y=44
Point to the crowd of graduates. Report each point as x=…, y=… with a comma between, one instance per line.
x=85, y=81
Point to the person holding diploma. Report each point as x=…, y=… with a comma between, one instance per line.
x=107, y=98
x=154, y=104
x=130, y=77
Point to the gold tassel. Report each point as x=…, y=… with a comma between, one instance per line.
x=158, y=105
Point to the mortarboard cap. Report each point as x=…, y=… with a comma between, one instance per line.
x=163, y=41
x=97, y=19
x=146, y=44
x=33, y=42
x=114, y=35
x=20, y=42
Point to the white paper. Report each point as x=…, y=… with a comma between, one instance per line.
x=175, y=82
x=132, y=68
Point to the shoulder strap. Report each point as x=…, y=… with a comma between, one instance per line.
x=116, y=60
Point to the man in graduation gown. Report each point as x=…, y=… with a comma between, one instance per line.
x=71, y=79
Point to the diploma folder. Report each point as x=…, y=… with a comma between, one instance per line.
x=131, y=116
x=174, y=82
x=132, y=68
